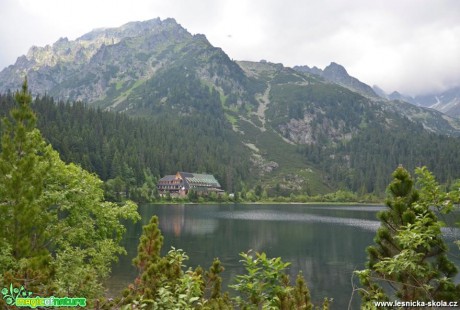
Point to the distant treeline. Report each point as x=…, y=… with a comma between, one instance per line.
x=130, y=154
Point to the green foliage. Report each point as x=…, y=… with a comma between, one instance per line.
x=192, y=195
x=22, y=171
x=266, y=285
x=58, y=235
x=213, y=280
x=410, y=255
x=341, y=196
x=182, y=294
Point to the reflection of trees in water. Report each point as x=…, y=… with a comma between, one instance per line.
x=174, y=220
x=263, y=238
x=328, y=260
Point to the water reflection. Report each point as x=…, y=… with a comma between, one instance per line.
x=175, y=220
x=306, y=218
x=325, y=243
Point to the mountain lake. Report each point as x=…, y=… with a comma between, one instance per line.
x=325, y=242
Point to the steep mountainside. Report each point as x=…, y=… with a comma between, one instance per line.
x=105, y=66
x=86, y=68
x=303, y=130
x=354, y=140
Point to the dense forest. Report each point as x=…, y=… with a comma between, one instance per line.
x=130, y=154
x=364, y=163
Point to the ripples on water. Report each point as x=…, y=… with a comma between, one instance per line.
x=307, y=218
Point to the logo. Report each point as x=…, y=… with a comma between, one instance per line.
x=20, y=297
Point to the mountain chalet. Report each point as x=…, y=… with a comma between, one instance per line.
x=181, y=183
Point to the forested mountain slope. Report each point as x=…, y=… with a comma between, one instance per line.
x=131, y=152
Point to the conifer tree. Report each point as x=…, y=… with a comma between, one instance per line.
x=58, y=237
x=22, y=170
x=162, y=283
x=302, y=294
x=147, y=259
x=410, y=255
x=215, y=299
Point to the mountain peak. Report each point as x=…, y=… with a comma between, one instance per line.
x=106, y=65
x=337, y=73
x=336, y=70
x=81, y=69
x=132, y=29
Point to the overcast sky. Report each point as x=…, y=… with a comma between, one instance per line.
x=412, y=46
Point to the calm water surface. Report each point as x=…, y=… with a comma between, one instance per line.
x=325, y=242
